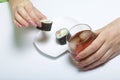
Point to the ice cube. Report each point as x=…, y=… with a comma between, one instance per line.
x=73, y=43
x=85, y=35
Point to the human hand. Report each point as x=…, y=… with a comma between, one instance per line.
x=25, y=14
x=105, y=47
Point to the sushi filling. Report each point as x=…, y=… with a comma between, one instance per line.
x=61, y=33
x=61, y=36
x=46, y=21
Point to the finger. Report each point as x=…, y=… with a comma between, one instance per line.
x=21, y=20
x=101, y=61
x=94, y=57
x=30, y=11
x=17, y=24
x=25, y=16
x=114, y=55
x=40, y=15
x=92, y=48
x=74, y=61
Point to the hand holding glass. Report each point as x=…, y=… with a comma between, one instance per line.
x=81, y=36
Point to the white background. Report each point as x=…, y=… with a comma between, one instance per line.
x=19, y=60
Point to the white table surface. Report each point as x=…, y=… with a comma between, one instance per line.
x=19, y=59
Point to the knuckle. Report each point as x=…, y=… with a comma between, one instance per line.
x=109, y=43
x=29, y=8
x=101, y=61
x=19, y=8
x=85, y=62
x=95, y=57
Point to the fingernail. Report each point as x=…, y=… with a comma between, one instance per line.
x=26, y=24
x=81, y=65
x=77, y=58
x=39, y=24
x=32, y=23
x=19, y=26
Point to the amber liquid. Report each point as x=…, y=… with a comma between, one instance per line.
x=80, y=41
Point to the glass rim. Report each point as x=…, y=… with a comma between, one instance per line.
x=70, y=32
x=78, y=25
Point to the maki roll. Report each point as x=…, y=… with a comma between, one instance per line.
x=61, y=36
x=46, y=25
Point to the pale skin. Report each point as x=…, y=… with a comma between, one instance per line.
x=105, y=47
x=25, y=14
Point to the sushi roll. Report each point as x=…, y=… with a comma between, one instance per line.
x=61, y=35
x=46, y=25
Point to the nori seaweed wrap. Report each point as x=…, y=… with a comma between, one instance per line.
x=46, y=25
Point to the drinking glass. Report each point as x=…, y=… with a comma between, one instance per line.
x=80, y=36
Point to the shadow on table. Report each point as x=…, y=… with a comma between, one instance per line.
x=23, y=37
x=71, y=62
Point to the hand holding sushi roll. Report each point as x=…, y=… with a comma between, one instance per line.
x=25, y=14
x=46, y=25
